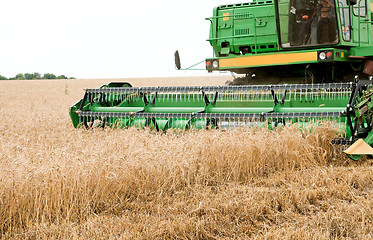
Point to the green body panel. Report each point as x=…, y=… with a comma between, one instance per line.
x=362, y=51
x=251, y=23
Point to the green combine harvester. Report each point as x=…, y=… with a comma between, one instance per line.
x=303, y=61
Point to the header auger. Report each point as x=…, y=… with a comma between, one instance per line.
x=270, y=42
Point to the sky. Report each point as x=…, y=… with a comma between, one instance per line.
x=104, y=39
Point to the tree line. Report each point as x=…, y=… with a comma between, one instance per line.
x=33, y=76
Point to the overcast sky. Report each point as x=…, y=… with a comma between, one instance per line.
x=104, y=39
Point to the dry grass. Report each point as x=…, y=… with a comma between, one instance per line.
x=57, y=182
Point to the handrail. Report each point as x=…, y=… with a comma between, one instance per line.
x=359, y=19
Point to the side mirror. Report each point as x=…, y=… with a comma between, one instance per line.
x=177, y=60
x=352, y=2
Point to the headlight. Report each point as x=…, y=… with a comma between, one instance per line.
x=215, y=64
x=322, y=56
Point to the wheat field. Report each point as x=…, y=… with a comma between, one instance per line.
x=58, y=182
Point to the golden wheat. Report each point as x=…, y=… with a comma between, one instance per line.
x=57, y=182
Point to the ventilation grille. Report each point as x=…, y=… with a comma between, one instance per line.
x=242, y=31
x=242, y=16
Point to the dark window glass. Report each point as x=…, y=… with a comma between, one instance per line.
x=307, y=22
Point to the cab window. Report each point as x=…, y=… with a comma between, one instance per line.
x=360, y=6
x=344, y=13
x=307, y=22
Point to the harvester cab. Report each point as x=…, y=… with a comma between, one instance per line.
x=303, y=40
x=325, y=46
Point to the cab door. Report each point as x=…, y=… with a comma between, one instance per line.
x=345, y=20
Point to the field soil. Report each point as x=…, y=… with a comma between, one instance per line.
x=58, y=182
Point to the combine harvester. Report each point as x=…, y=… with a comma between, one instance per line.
x=319, y=50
